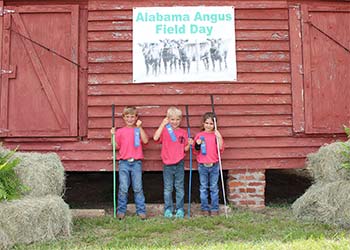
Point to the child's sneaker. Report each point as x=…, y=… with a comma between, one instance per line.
x=180, y=214
x=168, y=213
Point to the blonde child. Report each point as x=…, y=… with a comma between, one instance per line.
x=129, y=140
x=174, y=142
x=208, y=167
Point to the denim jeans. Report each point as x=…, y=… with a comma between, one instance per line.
x=208, y=177
x=173, y=175
x=133, y=170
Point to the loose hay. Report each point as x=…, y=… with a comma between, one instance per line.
x=35, y=219
x=325, y=202
x=325, y=164
x=43, y=174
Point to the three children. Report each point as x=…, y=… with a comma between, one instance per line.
x=175, y=143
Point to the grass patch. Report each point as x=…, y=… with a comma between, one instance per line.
x=272, y=228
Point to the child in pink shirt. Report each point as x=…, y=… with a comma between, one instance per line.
x=174, y=142
x=208, y=166
x=129, y=140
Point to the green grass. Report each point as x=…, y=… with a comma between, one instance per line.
x=273, y=228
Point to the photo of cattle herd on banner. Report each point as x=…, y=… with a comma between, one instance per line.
x=183, y=56
x=184, y=44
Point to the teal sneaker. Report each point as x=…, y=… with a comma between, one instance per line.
x=180, y=214
x=168, y=213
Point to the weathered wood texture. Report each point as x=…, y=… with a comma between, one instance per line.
x=256, y=114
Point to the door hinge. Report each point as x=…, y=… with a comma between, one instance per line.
x=5, y=71
x=4, y=11
x=11, y=72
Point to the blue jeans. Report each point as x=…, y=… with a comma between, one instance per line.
x=173, y=175
x=208, y=177
x=133, y=170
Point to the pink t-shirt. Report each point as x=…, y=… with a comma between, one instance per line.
x=212, y=150
x=173, y=152
x=125, y=140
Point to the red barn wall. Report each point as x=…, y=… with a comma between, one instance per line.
x=259, y=116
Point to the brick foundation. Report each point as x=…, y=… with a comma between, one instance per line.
x=246, y=188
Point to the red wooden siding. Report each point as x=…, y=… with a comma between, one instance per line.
x=261, y=116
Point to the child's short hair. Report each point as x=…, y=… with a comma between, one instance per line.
x=173, y=111
x=130, y=110
x=206, y=116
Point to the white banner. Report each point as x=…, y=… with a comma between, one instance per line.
x=184, y=44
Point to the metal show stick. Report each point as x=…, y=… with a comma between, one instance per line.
x=219, y=155
x=190, y=177
x=114, y=164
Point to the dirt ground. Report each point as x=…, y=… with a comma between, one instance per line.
x=95, y=189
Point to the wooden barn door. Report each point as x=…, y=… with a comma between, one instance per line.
x=39, y=87
x=326, y=45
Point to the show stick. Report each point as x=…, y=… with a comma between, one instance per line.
x=219, y=155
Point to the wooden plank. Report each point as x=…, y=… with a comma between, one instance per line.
x=108, y=5
x=278, y=56
x=113, y=24
x=110, y=46
x=225, y=121
x=73, y=91
x=265, y=35
x=103, y=57
x=242, y=67
x=230, y=142
x=229, y=154
x=266, y=67
x=157, y=165
x=126, y=56
x=107, y=15
x=265, y=14
x=262, y=45
x=44, y=80
x=296, y=68
x=240, y=14
x=55, y=146
x=31, y=8
x=189, y=88
x=117, y=25
x=119, y=35
x=336, y=6
x=280, y=142
x=240, y=46
x=265, y=164
x=258, y=24
x=159, y=111
x=190, y=100
x=241, y=35
x=242, y=78
x=5, y=63
x=83, y=74
x=247, y=132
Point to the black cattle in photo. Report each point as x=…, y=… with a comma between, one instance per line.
x=170, y=55
x=218, y=52
x=186, y=55
x=152, y=55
